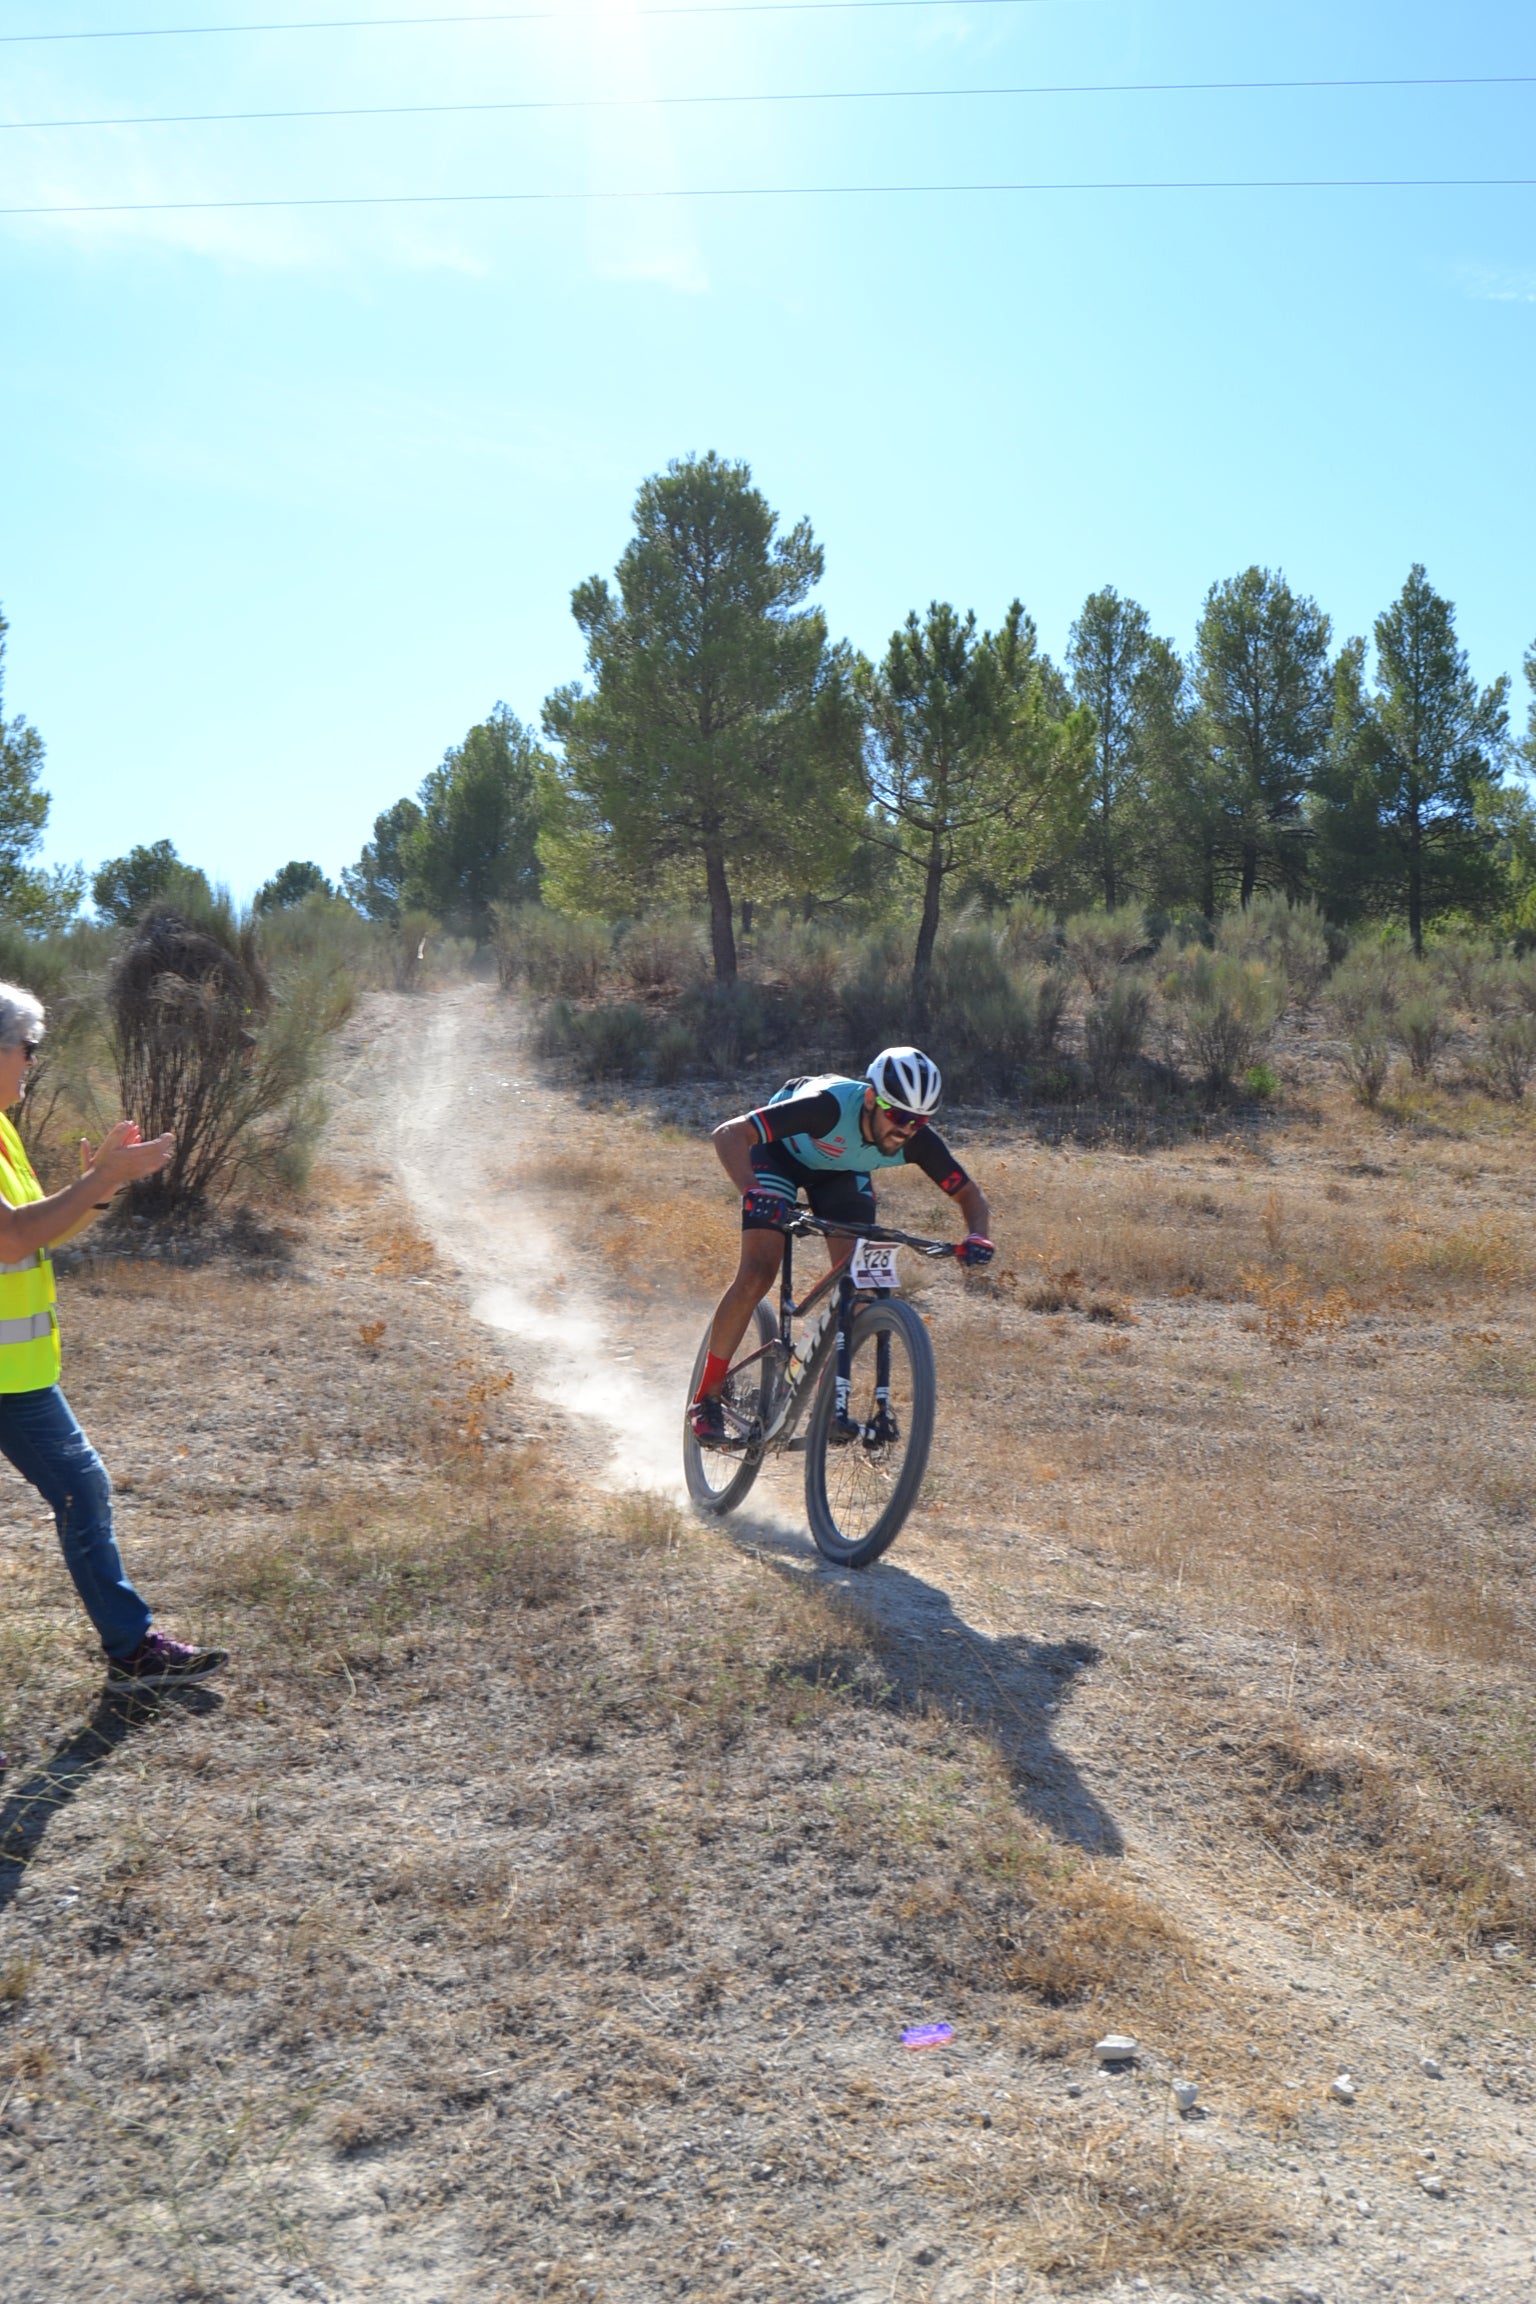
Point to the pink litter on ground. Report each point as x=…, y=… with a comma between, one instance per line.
x=927, y=2035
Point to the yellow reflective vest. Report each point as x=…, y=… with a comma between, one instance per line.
x=29, y=1325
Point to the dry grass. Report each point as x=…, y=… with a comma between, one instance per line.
x=515, y=1804
x=541, y=1913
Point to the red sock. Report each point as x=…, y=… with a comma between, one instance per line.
x=715, y=1373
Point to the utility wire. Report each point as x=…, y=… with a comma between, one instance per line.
x=783, y=96
x=506, y=16
x=795, y=192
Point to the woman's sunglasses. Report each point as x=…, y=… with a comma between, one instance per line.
x=29, y=1050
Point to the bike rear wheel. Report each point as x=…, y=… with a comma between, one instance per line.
x=718, y=1478
x=858, y=1492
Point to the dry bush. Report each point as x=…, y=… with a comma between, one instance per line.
x=1292, y=1316
x=1366, y=1059
x=1030, y=933
x=1462, y=963
x=809, y=960
x=658, y=957
x=1510, y=1045
x=1226, y=1007
x=1098, y=944
x=1422, y=1028
x=1372, y=980
x=1289, y=939
x=1115, y=1031
x=207, y=1051
x=549, y=952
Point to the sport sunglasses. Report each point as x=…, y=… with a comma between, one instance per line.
x=898, y=1116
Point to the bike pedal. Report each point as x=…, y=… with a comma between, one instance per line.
x=842, y=1430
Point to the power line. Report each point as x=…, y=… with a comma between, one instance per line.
x=503, y=16
x=795, y=192
x=783, y=96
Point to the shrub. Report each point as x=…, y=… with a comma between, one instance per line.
x=555, y=1032
x=1462, y=963
x=1372, y=980
x=874, y=998
x=325, y=933
x=1098, y=944
x=1262, y=1081
x=1290, y=939
x=1367, y=1055
x=408, y=940
x=1030, y=934
x=610, y=1040
x=807, y=959
x=1115, y=1031
x=1507, y=987
x=675, y=1049
x=1227, y=1009
x=1421, y=1028
x=549, y=952
x=661, y=956
x=1511, y=1052
x=987, y=1019
x=205, y=1050
x=727, y=1021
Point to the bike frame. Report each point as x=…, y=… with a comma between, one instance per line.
x=835, y=1331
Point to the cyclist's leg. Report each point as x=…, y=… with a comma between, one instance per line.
x=840, y=1196
x=762, y=1253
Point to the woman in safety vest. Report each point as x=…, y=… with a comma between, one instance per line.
x=38, y=1433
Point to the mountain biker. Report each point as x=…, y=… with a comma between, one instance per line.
x=824, y=1135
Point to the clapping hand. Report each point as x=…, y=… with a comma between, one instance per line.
x=123, y=1156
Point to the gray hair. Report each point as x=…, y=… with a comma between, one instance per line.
x=21, y=1016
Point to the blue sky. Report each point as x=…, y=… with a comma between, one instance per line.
x=290, y=496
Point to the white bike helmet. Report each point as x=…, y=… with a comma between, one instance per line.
x=906, y=1078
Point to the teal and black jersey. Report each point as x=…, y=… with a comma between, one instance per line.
x=819, y=1124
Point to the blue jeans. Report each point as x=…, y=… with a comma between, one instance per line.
x=39, y=1435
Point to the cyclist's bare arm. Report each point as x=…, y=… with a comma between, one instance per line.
x=734, y=1141
x=972, y=1204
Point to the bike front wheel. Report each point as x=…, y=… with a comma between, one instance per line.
x=859, y=1489
x=718, y=1478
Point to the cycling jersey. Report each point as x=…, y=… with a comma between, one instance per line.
x=818, y=1122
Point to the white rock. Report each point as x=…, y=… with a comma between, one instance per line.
x=1343, y=2090
x=1115, y=2048
x=1186, y=2095
x=1432, y=2068
x=1433, y=2185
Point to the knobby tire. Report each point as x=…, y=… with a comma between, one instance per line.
x=857, y=1497
x=718, y=1478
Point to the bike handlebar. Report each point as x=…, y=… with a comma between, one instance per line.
x=806, y=1223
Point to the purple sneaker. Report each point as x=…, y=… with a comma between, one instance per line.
x=158, y=1662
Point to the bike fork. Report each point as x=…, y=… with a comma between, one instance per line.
x=845, y=1351
x=883, y=1376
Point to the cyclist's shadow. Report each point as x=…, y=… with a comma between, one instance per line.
x=929, y=1654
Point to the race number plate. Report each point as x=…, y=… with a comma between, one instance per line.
x=874, y=1265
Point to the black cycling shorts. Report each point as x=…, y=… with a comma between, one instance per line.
x=837, y=1195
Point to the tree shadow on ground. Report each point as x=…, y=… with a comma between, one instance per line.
x=1001, y=1687
x=31, y=1806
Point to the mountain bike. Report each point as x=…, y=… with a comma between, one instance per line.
x=864, y=1369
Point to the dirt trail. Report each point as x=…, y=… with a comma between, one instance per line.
x=993, y=1621
x=459, y=1107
